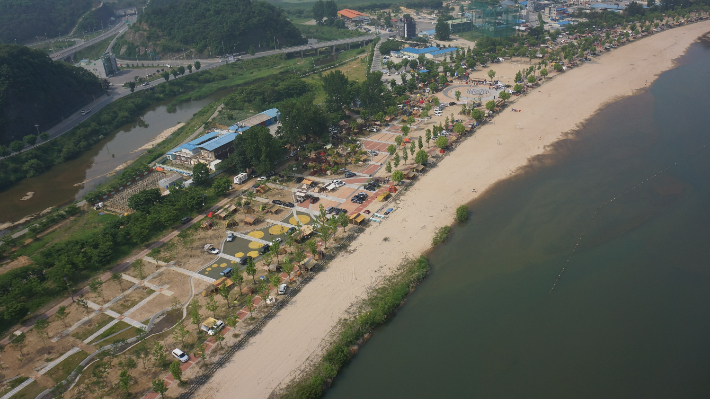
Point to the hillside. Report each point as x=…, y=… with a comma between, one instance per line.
x=216, y=26
x=36, y=90
x=24, y=21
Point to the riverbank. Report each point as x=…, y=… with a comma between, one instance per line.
x=295, y=337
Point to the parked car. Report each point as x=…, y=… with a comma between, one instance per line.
x=213, y=251
x=264, y=249
x=185, y=219
x=277, y=202
x=329, y=210
x=230, y=237
x=226, y=272
x=243, y=260
x=289, y=204
x=180, y=355
x=291, y=230
x=299, y=179
x=276, y=240
x=282, y=289
x=314, y=200
x=349, y=175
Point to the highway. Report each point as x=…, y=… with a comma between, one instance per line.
x=118, y=91
x=73, y=49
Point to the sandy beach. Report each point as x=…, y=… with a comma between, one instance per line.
x=295, y=336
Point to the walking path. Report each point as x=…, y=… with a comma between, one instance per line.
x=192, y=274
x=246, y=237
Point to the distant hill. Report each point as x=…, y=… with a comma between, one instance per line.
x=216, y=26
x=24, y=20
x=36, y=90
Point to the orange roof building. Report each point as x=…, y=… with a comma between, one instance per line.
x=352, y=15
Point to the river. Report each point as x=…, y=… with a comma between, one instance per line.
x=623, y=208
x=58, y=186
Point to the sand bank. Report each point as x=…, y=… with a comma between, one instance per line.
x=296, y=334
x=162, y=136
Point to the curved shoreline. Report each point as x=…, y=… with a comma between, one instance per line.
x=552, y=112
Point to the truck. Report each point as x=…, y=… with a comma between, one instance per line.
x=211, y=326
x=241, y=178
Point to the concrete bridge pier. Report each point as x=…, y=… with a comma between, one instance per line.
x=333, y=50
x=348, y=44
x=317, y=52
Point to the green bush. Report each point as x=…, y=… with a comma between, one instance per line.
x=441, y=235
x=462, y=213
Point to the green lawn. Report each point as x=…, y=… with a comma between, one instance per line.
x=30, y=392
x=327, y=32
x=94, y=51
x=12, y=385
x=61, y=371
x=113, y=330
x=99, y=321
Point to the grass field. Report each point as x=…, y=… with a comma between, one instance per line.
x=94, y=51
x=99, y=320
x=61, y=371
x=327, y=32
x=354, y=70
x=30, y=392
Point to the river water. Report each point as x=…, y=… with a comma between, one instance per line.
x=58, y=185
x=630, y=315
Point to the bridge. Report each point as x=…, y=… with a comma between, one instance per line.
x=68, y=53
x=362, y=40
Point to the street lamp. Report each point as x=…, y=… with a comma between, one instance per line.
x=37, y=126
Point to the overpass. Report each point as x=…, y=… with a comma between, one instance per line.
x=317, y=47
x=68, y=53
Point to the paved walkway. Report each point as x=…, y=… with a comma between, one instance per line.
x=192, y=274
x=248, y=237
x=284, y=224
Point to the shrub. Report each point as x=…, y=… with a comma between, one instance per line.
x=441, y=235
x=462, y=213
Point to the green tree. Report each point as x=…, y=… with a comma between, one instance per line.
x=421, y=157
x=124, y=381
x=194, y=312
x=395, y=160
x=62, y=314
x=132, y=86
x=221, y=185
x=238, y=280
x=397, y=176
x=200, y=173
x=531, y=79
x=176, y=371
x=40, y=328
x=388, y=167
x=180, y=332
x=405, y=130
x=197, y=65
x=249, y=305
x=212, y=306
x=337, y=91
x=442, y=31
x=189, y=68
x=95, y=286
x=442, y=142
x=412, y=148
x=143, y=201
x=518, y=77
x=174, y=73
x=275, y=249
x=398, y=140
x=181, y=70
x=462, y=213
x=457, y=94
x=427, y=134
x=518, y=88
x=391, y=149
x=118, y=279
x=224, y=293
x=142, y=352
x=159, y=387
x=491, y=74
x=251, y=270
x=4, y=151
x=158, y=354
x=420, y=144
x=458, y=128
x=490, y=105
x=165, y=75
x=16, y=146
x=30, y=139
x=18, y=342
x=404, y=154
x=504, y=95
x=83, y=304
x=543, y=73
x=137, y=266
x=301, y=118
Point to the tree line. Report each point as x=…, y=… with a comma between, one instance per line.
x=25, y=21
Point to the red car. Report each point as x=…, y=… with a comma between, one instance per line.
x=314, y=200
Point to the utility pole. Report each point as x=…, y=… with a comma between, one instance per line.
x=69, y=289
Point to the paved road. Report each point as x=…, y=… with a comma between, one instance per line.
x=116, y=92
x=71, y=50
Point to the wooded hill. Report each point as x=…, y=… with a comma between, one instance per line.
x=23, y=20
x=36, y=90
x=219, y=26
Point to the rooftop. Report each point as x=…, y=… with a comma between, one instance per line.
x=347, y=13
x=444, y=51
x=412, y=50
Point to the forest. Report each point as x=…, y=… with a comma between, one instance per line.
x=222, y=26
x=23, y=21
x=36, y=90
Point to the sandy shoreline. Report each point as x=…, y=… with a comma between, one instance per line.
x=157, y=139
x=295, y=335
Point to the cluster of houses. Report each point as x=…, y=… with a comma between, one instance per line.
x=218, y=144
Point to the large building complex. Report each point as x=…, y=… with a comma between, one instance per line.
x=406, y=28
x=353, y=16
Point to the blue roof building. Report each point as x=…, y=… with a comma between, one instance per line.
x=441, y=53
x=602, y=6
x=212, y=146
x=416, y=52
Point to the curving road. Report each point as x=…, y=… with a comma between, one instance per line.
x=73, y=49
